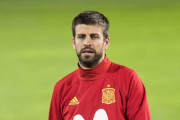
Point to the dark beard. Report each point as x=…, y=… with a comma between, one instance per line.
x=88, y=61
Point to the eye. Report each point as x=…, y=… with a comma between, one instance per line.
x=94, y=36
x=81, y=36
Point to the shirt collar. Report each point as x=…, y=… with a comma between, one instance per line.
x=95, y=72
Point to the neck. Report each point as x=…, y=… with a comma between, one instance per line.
x=96, y=72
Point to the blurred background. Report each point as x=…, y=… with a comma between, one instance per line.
x=36, y=51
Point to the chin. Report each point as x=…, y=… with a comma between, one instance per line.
x=87, y=58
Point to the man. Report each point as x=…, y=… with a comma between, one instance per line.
x=99, y=89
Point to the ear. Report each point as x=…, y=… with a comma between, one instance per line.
x=73, y=43
x=106, y=43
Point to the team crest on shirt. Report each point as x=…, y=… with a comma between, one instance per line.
x=108, y=95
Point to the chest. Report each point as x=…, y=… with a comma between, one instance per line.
x=94, y=100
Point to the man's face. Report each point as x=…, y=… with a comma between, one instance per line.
x=89, y=44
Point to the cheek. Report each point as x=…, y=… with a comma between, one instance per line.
x=78, y=43
x=78, y=46
x=99, y=45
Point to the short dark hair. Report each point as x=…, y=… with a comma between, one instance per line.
x=92, y=18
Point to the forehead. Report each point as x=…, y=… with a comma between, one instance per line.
x=88, y=29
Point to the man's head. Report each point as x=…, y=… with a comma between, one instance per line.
x=91, y=18
x=90, y=38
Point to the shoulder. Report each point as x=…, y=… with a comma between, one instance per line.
x=120, y=70
x=67, y=81
x=123, y=76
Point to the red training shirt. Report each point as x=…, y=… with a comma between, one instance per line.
x=107, y=91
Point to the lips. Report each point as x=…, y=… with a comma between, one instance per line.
x=87, y=51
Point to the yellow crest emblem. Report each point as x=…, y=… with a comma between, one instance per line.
x=108, y=95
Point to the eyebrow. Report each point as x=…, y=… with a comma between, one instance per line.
x=94, y=34
x=90, y=34
x=81, y=34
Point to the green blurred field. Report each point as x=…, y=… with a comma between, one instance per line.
x=36, y=51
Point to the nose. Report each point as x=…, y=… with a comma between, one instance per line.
x=87, y=41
